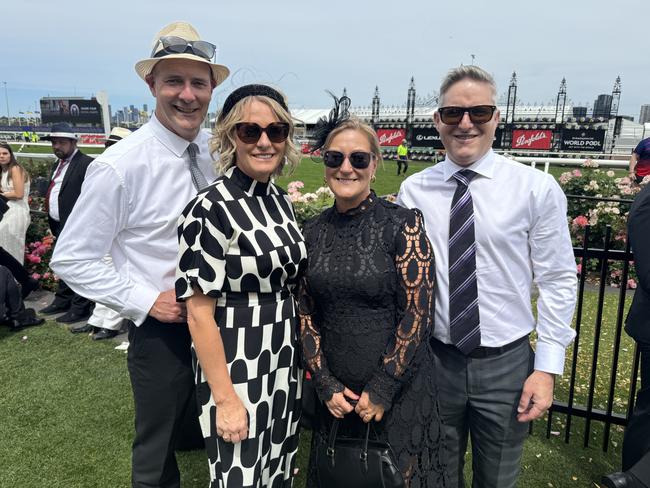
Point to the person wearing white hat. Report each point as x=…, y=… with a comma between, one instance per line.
x=116, y=135
x=66, y=178
x=129, y=207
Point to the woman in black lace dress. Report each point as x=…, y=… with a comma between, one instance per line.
x=366, y=310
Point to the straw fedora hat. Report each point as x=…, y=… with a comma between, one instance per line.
x=188, y=33
x=117, y=134
x=61, y=130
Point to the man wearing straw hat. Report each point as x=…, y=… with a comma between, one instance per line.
x=128, y=208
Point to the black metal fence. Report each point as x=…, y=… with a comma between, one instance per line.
x=592, y=359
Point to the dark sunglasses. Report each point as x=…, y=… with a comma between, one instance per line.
x=479, y=114
x=358, y=159
x=250, y=132
x=178, y=45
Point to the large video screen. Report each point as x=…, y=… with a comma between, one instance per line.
x=70, y=110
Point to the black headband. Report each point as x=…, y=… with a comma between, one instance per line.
x=251, y=91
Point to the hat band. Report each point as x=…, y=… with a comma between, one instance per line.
x=251, y=91
x=178, y=45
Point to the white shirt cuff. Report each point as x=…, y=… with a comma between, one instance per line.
x=549, y=358
x=139, y=302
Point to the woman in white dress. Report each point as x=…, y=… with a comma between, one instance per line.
x=14, y=186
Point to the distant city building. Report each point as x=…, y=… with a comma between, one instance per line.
x=145, y=108
x=644, y=116
x=579, y=111
x=602, y=106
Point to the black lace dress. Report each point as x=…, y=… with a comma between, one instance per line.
x=366, y=313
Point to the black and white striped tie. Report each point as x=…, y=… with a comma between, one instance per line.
x=463, y=291
x=198, y=179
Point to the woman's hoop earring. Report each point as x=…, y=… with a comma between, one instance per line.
x=373, y=178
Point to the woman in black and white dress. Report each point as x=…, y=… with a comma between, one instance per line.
x=239, y=259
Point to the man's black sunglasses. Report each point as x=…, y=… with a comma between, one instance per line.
x=479, y=114
x=178, y=45
x=250, y=132
x=358, y=159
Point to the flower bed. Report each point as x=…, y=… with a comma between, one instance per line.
x=591, y=181
x=308, y=205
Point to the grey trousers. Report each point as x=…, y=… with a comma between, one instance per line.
x=479, y=397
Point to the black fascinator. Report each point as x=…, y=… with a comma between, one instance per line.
x=340, y=113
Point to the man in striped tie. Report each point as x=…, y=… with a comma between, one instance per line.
x=499, y=230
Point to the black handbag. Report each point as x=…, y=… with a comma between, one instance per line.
x=356, y=463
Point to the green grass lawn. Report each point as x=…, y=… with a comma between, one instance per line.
x=311, y=174
x=46, y=149
x=67, y=416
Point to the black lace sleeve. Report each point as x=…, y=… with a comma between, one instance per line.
x=310, y=339
x=416, y=278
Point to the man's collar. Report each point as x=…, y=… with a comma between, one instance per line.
x=171, y=141
x=483, y=167
x=69, y=158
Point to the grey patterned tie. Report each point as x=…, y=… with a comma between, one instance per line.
x=463, y=291
x=197, y=177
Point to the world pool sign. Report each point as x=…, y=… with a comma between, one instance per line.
x=591, y=140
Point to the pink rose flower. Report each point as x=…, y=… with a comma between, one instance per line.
x=580, y=221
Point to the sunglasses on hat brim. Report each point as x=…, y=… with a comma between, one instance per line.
x=178, y=45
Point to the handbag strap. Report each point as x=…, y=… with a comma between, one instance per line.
x=332, y=438
x=331, y=441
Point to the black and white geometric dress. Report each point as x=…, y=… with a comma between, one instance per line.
x=240, y=244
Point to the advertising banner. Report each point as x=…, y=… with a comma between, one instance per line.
x=426, y=137
x=72, y=111
x=92, y=139
x=531, y=139
x=391, y=137
x=592, y=140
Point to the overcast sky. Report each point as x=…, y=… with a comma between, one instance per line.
x=73, y=47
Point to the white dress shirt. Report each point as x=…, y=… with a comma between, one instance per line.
x=129, y=206
x=53, y=204
x=522, y=239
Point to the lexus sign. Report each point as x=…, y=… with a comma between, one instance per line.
x=426, y=137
